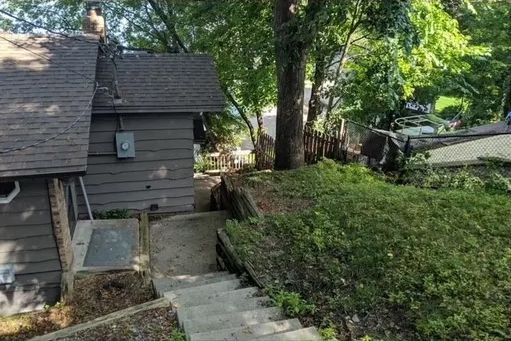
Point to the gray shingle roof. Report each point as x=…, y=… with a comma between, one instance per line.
x=41, y=99
x=161, y=83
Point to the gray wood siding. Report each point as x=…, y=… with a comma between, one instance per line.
x=161, y=173
x=27, y=242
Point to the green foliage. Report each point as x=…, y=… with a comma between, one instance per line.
x=447, y=101
x=117, y=213
x=224, y=131
x=292, y=303
x=439, y=260
x=202, y=164
x=488, y=177
x=328, y=333
x=239, y=36
x=383, y=73
x=178, y=335
x=488, y=24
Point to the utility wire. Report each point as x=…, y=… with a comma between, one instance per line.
x=74, y=123
x=54, y=136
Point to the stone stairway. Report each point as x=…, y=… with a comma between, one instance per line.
x=216, y=307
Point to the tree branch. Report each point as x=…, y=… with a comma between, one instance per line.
x=243, y=115
x=169, y=24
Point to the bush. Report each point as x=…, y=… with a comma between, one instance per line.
x=201, y=164
x=436, y=264
x=489, y=177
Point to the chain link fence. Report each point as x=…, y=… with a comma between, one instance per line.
x=374, y=147
x=462, y=150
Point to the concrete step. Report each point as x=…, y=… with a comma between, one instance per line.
x=248, y=332
x=305, y=334
x=231, y=320
x=162, y=285
x=202, y=291
x=208, y=298
x=244, y=304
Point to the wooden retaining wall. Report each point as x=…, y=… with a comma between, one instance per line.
x=235, y=199
x=227, y=195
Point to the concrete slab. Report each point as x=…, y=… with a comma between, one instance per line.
x=237, y=319
x=185, y=244
x=163, y=285
x=232, y=296
x=186, y=313
x=197, y=294
x=248, y=332
x=106, y=245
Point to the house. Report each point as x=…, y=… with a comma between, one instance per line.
x=45, y=108
x=77, y=127
x=159, y=98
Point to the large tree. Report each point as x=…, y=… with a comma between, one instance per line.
x=295, y=29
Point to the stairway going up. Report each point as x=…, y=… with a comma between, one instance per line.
x=216, y=306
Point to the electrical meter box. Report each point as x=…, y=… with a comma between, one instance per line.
x=7, y=274
x=125, y=143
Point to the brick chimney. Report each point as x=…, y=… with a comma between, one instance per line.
x=93, y=22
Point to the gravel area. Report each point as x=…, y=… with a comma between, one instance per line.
x=155, y=324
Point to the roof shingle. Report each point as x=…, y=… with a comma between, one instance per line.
x=46, y=86
x=161, y=83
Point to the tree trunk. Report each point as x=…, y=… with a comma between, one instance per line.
x=290, y=62
x=260, y=122
x=506, y=95
x=315, y=106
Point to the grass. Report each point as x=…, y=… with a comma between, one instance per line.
x=380, y=260
x=447, y=101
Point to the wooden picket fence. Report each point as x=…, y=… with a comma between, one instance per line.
x=265, y=152
x=317, y=145
x=232, y=161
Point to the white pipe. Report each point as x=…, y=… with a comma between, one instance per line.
x=86, y=198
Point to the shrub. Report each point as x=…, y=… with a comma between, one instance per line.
x=118, y=213
x=417, y=172
x=201, y=164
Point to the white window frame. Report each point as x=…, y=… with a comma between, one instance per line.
x=11, y=195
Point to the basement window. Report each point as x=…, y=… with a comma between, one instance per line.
x=8, y=191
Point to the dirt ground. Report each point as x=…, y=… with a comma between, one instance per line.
x=185, y=244
x=94, y=296
x=203, y=184
x=155, y=324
